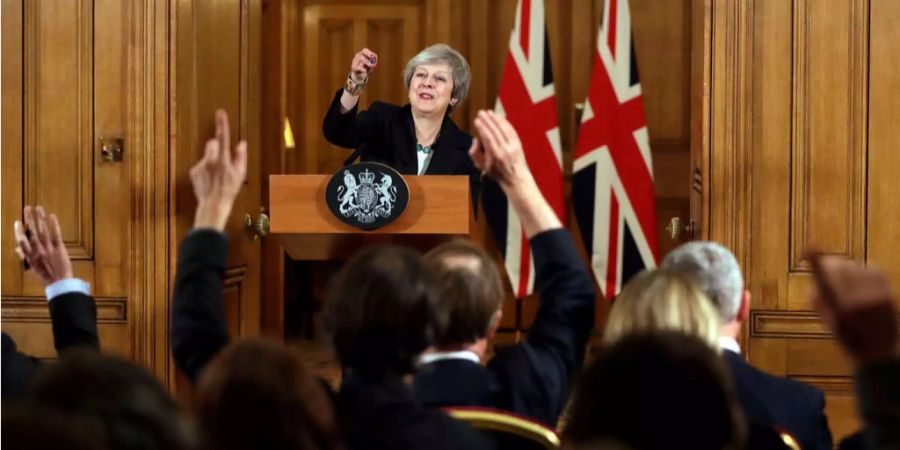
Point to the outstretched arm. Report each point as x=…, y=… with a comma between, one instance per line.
x=198, y=316
x=342, y=125
x=73, y=314
x=503, y=159
x=555, y=345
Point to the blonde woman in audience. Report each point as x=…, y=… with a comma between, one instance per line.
x=662, y=300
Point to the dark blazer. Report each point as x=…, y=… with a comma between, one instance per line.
x=199, y=329
x=386, y=133
x=796, y=407
x=73, y=317
x=532, y=377
x=384, y=414
x=878, y=390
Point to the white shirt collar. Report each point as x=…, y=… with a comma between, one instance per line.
x=429, y=358
x=727, y=343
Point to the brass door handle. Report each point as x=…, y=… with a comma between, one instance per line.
x=111, y=149
x=676, y=227
x=259, y=226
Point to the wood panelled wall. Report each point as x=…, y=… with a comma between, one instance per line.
x=801, y=156
x=151, y=73
x=322, y=37
x=73, y=73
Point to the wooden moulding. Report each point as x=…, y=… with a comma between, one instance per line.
x=438, y=210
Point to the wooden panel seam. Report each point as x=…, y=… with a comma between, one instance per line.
x=35, y=310
x=788, y=325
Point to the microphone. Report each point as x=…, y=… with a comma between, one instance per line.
x=353, y=156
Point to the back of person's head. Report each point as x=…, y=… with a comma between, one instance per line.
x=113, y=398
x=716, y=272
x=258, y=394
x=470, y=292
x=662, y=300
x=383, y=311
x=27, y=426
x=657, y=391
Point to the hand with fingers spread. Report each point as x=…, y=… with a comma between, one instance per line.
x=857, y=304
x=218, y=177
x=503, y=158
x=42, y=246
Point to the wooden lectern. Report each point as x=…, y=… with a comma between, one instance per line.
x=439, y=209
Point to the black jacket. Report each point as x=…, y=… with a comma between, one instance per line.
x=374, y=415
x=386, y=133
x=796, y=407
x=384, y=414
x=532, y=377
x=878, y=390
x=199, y=329
x=74, y=320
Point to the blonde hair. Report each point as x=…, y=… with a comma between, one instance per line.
x=663, y=300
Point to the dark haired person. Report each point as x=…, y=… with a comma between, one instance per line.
x=659, y=390
x=252, y=393
x=383, y=315
x=113, y=401
x=258, y=394
x=73, y=313
x=532, y=377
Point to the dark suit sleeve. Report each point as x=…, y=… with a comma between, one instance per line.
x=565, y=316
x=820, y=431
x=540, y=368
x=352, y=128
x=878, y=388
x=74, y=319
x=17, y=369
x=199, y=330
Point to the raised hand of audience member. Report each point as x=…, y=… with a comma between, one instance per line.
x=503, y=159
x=857, y=304
x=218, y=177
x=42, y=246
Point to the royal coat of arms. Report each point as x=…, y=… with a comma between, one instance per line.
x=367, y=199
x=367, y=195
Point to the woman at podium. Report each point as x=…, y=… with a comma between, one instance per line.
x=418, y=138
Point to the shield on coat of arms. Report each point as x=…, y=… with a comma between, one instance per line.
x=367, y=195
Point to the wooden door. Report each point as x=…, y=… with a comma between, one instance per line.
x=802, y=147
x=217, y=65
x=66, y=79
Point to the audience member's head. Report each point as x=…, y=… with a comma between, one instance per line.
x=27, y=426
x=113, y=398
x=662, y=300
x=657, y=391
x=469, y=290
x=258, y=394
x=716, y=272
x=382, y=311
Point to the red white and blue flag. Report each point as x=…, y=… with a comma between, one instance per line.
x=527, y=99
x=612, y=183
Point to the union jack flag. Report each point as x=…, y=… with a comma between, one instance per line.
x=612, y=185
x=528, y=101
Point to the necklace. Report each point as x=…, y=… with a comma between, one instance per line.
x=426, y=149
